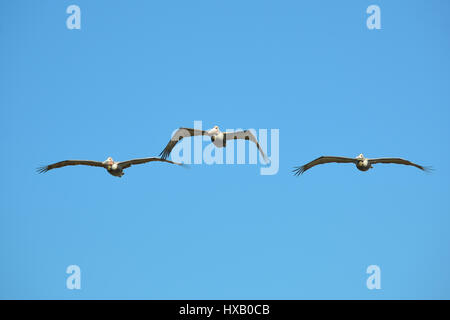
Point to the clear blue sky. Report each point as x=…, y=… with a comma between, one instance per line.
x=137, y=70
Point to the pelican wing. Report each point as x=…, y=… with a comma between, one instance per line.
x=129, y=163
x=70, y=163
x=321, y=160
x=398, y=161
x=180, y=134
x=245, y=135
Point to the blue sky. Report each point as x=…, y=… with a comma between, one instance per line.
x=137, y=70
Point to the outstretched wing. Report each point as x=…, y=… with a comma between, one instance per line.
x=70, y=163
x=129, y=163
x=324, y=159
x=246, y=135
x=180, y=134
x=399, y=161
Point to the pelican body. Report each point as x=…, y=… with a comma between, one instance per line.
x=113, y=167
x=217, y=137
x=363, y=163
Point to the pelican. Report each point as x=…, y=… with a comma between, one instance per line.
x=218, y=138
x=114, y=168
x=361, y=162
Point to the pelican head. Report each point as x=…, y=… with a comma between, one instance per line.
x=215, y=130
x=109, y=161
x=360, y=156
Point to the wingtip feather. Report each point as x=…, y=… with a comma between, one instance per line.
x=42, y=169
x=298, y=170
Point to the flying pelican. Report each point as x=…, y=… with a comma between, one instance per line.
x=114, y=168
x=217, y=137
x=361, y=162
